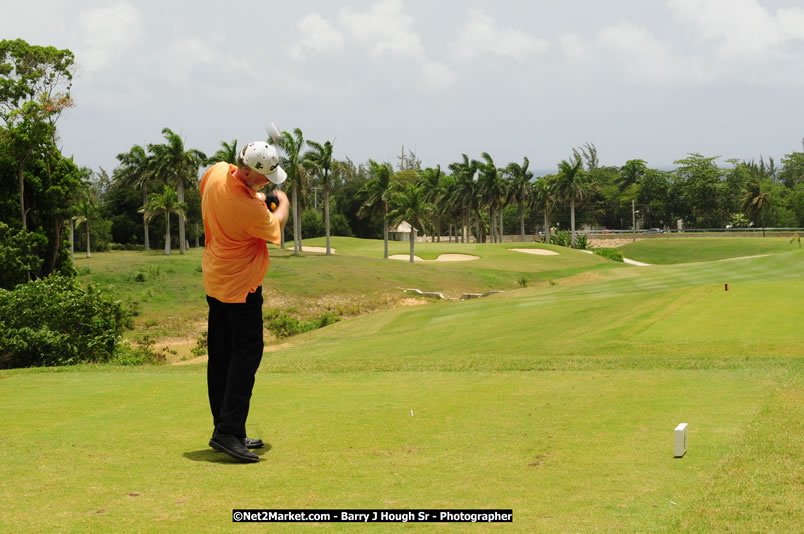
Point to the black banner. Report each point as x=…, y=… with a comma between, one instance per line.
x=372, y=516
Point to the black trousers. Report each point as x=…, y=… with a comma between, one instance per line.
x=235, y=345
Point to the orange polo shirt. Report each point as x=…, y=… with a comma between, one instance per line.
x=237, y=225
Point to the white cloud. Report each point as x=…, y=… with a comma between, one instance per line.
x=319, y=36
x=480, y=36
x=383, y=30
x=106, y=33
x=573, y=46
x=646, y=58
x=742, y=29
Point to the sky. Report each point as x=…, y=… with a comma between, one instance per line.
x=648, y=79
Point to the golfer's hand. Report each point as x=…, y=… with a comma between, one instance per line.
x=281, y=196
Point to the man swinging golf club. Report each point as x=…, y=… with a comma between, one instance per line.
x=237, y=224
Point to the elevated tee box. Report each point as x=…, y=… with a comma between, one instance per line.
x=681, y=440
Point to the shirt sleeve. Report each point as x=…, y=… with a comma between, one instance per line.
x=260, y=223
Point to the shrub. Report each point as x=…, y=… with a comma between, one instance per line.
x=54, y=321
x=283, y=325
x=561, y=238
x=610, y=253
x=581, y=242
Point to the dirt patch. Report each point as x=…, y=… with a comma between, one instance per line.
x=443, y=257
x=536, y=251
x=609, y=243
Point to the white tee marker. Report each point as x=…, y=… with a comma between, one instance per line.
x=681, y=440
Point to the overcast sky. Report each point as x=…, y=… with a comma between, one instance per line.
x=650, y=79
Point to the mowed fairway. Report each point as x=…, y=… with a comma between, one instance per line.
x=557, y=400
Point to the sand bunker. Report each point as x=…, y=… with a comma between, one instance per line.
x=538, y=251
x=443, y=257
x=317, y=249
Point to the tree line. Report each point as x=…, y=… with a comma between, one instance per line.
x=61, y=206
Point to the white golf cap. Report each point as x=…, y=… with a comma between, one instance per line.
x=262, y=158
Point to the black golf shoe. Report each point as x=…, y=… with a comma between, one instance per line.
x=233, y=446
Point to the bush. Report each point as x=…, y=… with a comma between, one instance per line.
x=610, y=253
x=581, y=242
x=54, y=321
x=561, y=238
x=283, y=325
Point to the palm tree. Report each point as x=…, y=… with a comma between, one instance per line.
x=463, y=195
x=520, y=189
x=291, y=145
x=409, y=205
x=173, y=162
x=227, y=152
x=541, y=199
x=320, y=157
x=492, y=190
x=165, y=204
x=378, y=191
x=570, y=185
x=84, y=209
x=757, y=201
x=135, y=170
x=431, y=180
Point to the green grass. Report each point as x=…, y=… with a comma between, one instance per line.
x=558, y=401
x=694, y=249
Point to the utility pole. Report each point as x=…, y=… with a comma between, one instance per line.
x=633, y=222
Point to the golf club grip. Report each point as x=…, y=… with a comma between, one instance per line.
x=272, y=201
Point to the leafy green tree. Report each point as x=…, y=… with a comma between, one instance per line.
x=632, y=172
x=136, y=170
x=173, y=163
x=757, y=201
x=377, y=193
x=792, y=172
x=18, y=255
x=166, y=203
x=701, y=187
x=292, y=145
x=35, y=86
x=409, y=205
x=570, y=186
x=520, y=190
x=320, y=157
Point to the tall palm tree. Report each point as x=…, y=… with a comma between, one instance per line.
x=541, y=199
x=757, y=201
x=409, y=205
x=292, y=145
x=492, y=190
x=570, y=185
x=84, y=209
x=463, y=195
x=173, y=163
x=520, y=190
x=432, y=183
x=378, y=191
x=320, y=157
x=165, y=204
x=136, y=170
x=227, y=152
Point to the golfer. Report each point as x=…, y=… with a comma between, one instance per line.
x=237, y=223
